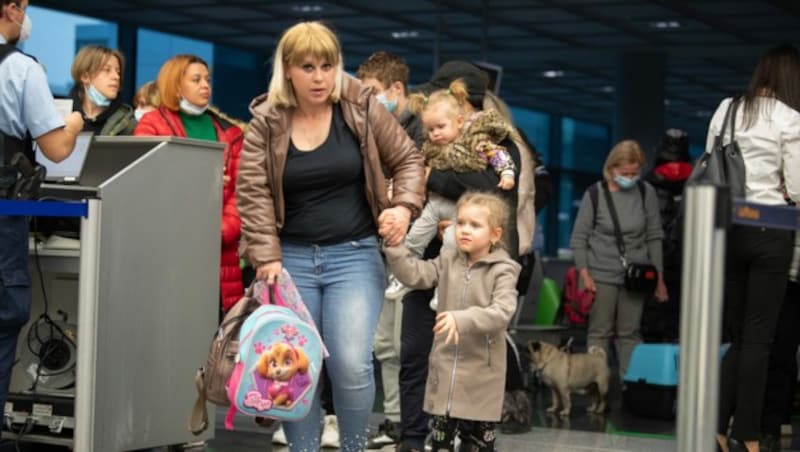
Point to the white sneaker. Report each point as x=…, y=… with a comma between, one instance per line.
x=279, y=437
x=330, y=432
x=395, y=289
x=434, y=303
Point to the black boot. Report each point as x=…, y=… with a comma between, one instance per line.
x=770, y=443
x=734, y=445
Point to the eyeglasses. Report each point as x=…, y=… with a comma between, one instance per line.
x=21, y=9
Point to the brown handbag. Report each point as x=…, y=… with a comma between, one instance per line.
x=211, y=379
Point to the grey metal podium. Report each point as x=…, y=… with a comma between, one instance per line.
x=147, y=287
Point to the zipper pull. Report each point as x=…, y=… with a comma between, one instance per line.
x=489, y=350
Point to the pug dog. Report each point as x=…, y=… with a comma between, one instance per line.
x=571, y=372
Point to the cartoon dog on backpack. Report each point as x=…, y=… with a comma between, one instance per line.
x=282, y=365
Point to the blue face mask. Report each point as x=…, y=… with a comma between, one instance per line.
x=626, y=183
x=97, y=97
x=390, y=105
x=138, y=113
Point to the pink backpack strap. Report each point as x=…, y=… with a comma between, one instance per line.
x=229, y=417
x=272, y=295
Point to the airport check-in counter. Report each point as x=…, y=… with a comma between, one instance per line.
x=140, y=291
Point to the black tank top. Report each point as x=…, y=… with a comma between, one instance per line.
x=324, y=190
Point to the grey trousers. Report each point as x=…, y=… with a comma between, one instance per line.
x=616, y=313
x=387, y=352
x=425, y=228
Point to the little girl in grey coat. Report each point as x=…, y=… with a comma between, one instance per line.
x=477, y=298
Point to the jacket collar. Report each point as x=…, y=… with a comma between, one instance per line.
x=495, y=256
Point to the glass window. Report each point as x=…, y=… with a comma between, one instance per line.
x=584, y=149
x=536, y=126
x=154, y=48
x=695, y=151
x=585, y=145
x=71, y=32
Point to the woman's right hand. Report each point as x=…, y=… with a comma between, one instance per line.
x=588, y=282
x=269, y=272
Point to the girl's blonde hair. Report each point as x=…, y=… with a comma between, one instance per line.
x=298, y=42
x=90, y=60
x=623, y=153
x=169, y=78
x=146, y=96
x=454, y=97
x=496, y=206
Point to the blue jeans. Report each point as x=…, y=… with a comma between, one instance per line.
x=15, y=293
x=342, y=285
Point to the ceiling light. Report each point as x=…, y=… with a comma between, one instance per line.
x=703, y=113
x=405, y=34
x=665, y=24
x=552, y=74
x=607, y=89
x=667, y=102
x=306, y=8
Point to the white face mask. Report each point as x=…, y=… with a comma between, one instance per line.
x=138, y=113
x=24, y=28
x=192, y=109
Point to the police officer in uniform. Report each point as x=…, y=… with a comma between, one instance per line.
x=27, y=112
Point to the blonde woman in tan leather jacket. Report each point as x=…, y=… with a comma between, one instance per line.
x=312, y=196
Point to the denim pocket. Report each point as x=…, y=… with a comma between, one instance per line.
x=15, y=296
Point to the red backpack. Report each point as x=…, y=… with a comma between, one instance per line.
x=576, y=302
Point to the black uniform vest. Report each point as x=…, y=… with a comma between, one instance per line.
x=10, y=145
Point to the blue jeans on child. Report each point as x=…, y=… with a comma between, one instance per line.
x=342, y=285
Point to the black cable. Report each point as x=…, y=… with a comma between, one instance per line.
x=34, y=333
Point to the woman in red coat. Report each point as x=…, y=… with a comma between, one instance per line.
x=185, y=89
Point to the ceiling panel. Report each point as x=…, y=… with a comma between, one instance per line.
x=232, y=13
x=535, y=16
x=710, y=55
x=643, y=11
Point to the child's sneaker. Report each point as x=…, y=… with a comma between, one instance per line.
x=395, y=289
x=434, y=303
x=388, y=433
x=279, y=437
x=330, y=432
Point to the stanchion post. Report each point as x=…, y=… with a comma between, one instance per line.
x=87, y=319
x=706, y=217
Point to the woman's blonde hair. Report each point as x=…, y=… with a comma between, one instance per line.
x=90, y=60
x=169, y=78
x=625, y=152
x=146, y=96
x=496, y=206
x=454, y=97
x=492, y=101
x=298, y=42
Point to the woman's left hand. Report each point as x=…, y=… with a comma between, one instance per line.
x=446, y=324
x=661, y=294
x=393, y=224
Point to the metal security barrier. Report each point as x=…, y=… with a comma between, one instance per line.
x=708, y=213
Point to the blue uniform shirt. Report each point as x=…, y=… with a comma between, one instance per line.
x=26, y=103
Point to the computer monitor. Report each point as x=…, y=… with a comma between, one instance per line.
x=67, y=171
x=493, y=72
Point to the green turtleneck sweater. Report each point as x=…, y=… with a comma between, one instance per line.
x=199, y=127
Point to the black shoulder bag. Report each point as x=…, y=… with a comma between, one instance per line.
x=724, y=165
x=638, y=277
